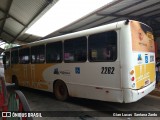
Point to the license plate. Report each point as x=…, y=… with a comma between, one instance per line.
x=146, y=82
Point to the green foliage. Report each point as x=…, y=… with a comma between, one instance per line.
x=7, y=46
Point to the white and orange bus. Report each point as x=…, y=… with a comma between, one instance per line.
x=113, y=62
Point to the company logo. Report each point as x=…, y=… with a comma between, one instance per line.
x=58, y=72
x=139, y=57
x=19, y=114
x=151, y=58
x=6, y=114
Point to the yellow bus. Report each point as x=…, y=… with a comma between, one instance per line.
x=113, y=62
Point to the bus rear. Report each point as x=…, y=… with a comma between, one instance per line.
x=141, y=67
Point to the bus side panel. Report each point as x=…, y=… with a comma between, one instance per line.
x=37, y=80
x=96, y=93
x=125, y=55
x=29, y=75
x=126, y=59
x=89, y=80
x=8, y=75
x=18, y=72
x=22, y=74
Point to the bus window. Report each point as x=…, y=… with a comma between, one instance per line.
x=54, y=52
x=24, y=57
x=38, y=54
x=14, y=57
x=103, y=47
x=75, y=50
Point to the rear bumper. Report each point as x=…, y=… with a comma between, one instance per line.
x=131, y=95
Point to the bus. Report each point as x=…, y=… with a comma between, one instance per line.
x=113, y=62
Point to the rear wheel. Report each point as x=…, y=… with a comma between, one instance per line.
x=60, y=90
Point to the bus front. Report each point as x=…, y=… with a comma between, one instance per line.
x=141, y=71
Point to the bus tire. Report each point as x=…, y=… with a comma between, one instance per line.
x=15, y=81
x=60, y=90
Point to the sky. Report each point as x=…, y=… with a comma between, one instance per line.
x=63, y=13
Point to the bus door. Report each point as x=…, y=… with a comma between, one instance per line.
x=25, y=75
x=37, y=62
x=24, y=65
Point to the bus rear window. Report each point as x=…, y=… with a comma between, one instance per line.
x=103, y=47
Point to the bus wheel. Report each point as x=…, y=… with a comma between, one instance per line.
x=15, y=81
x=60, y=90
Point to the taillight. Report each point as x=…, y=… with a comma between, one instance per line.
x=132, y=78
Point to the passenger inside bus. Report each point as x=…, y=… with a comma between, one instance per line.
x=106, y=53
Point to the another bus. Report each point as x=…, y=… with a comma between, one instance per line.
x=113, y=62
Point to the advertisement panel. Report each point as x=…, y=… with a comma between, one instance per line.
x=143, y=53
x=142, y=37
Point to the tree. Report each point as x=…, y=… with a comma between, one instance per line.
x=7, y=46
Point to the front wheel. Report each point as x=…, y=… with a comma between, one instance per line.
x=60, y=90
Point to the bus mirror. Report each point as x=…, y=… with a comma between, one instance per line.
x=4, y=59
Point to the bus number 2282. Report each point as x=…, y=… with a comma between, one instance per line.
x=107, y=70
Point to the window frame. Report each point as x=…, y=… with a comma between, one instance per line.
x=13, y=56
x=33, y=51
x=59, y=52
x=75, y=40
x=22, y=50
x=114, y=48
x=7, y=55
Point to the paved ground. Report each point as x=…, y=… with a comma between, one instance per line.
x=156, y=91
x=98, y=110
